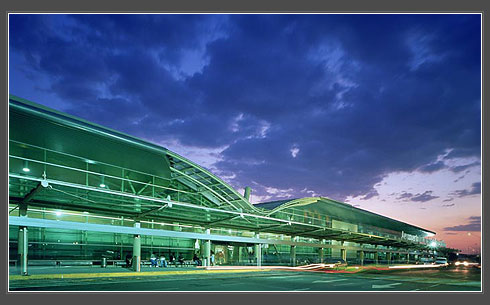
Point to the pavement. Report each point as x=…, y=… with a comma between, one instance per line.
x=248, y=279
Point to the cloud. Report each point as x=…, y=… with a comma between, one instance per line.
x=296, y=101
x=426, y=196
x=475, y=189
x=429, y=168
x=294, y=151
x=405, y=195
x=372, y=193
x=474, y=224
x=461, y=168
x=419, y=197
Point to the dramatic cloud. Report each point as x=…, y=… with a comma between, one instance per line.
x=324, y=104
x=473, y=225
x=475, y=189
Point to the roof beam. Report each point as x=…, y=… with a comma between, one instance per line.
x=31, y=194
x=223, y=219
x=143, y=214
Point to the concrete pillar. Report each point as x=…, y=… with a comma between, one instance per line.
x=361, y=257
x=388, y=257
x=408, y=258
x=240, y=255
x=23, y=248
x=321, y=251
x=258, y=252
x=137, y=253
x=207, y=250
x=137, y=250
x=23, y=242
x=227, y=255
x=292, y=254
x=236, y=254
x=376, y=260
x=343, y=254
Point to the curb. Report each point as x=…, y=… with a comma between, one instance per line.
x=123, y=274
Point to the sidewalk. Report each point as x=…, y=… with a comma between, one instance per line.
x=69, y=272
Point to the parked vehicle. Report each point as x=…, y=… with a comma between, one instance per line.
x=426, y=260
x=337, y=262
x=441, y=261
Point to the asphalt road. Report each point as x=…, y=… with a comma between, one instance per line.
x=417, y=280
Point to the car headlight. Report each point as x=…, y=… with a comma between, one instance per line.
x=465, y=263
x=457, y=263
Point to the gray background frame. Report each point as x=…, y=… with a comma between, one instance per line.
x=373, y=6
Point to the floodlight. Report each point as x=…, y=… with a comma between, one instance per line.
x=26, y=167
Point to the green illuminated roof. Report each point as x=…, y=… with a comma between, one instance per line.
x=96, y=169
x=344, y=212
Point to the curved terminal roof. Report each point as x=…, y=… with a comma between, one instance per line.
x=342, y=212
x=93, y=168
x=100, y=145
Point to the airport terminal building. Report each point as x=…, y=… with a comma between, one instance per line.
x=81, y=193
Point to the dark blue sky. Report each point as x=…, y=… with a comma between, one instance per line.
x=291, y=105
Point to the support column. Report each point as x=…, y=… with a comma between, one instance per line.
x=236, y=254
x=137, y=250
x=23, y=242
x=376, y=260
x=321, y=254
x=207, y=250
x=343, y=254
x=258, y=252
x=292, y=253
x=388, y=257
x=240, y=255
x=22, y=245
x=408, y=258
x=361, y=257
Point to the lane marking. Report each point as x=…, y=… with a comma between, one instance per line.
x=283, y=276
x=329, y=281
x=386, y=285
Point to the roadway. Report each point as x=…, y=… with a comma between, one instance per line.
x=451, y=279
